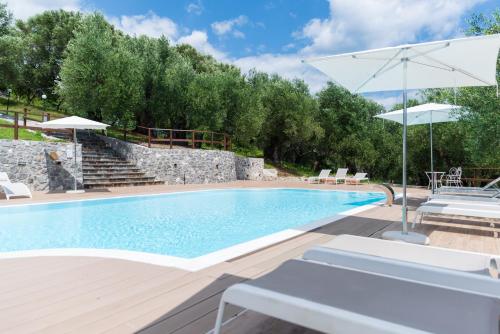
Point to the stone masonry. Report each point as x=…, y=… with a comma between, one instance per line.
x=30, y=162
x=178, y=166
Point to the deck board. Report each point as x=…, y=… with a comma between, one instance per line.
x=99, y=295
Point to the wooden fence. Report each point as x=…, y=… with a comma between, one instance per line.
x=20, y=121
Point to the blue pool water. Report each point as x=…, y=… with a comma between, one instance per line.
x=186, y=225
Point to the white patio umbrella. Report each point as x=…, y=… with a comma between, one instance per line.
x=451, y=63
x=427, y=113
x=75, y=123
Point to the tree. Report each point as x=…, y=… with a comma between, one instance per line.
x=5, y=19
x=100, y=79
x=44, y=40
x=290, y=128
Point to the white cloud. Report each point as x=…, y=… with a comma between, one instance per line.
x=195, y=8
x=23, y=9
x=288, y=66
x=362, y=24
x=199, y=40
x=222, y=28
x=149, y=24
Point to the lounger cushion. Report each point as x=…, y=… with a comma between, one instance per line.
x=387, y=299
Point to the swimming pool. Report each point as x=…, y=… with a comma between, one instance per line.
x=183, y=225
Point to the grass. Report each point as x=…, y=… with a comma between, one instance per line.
x=35, y=112
x=291, y=169
x=8, y=133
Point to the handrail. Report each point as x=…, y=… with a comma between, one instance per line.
x=186, y=137
x=16, y=126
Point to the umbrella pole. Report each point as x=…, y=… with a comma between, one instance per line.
x=76, y=168
x=404, y=235
x=405, y=125
x=433, y=177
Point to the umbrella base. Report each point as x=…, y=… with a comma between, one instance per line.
x=410, y=237
x=79, y=191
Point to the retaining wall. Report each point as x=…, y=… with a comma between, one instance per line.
x=29, y=162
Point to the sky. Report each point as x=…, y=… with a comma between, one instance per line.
x=275, y=35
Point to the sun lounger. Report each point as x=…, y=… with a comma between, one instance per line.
x=13, y=189
x=323, y=175
x=464, y=201
x=339, y=176
x=489, y=190
x=465, y=197
x=337, y=299
x=356, y=179
x=466, y=210
x=425, y=255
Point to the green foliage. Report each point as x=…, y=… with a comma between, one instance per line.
x=44, y=38
x=88, y=68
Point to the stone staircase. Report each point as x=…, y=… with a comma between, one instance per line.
x=104, y=168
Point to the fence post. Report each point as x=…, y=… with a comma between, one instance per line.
x=149, y=137
x=48, y=116
x=25, y=116
x=124, y=134
x=192, y=139
x=16, y=125
x=225, y=142
x=171, y=133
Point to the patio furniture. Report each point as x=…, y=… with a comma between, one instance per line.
x=454, y=178
x=357, y=179
x=341, y=175
x=323, y=175
x=10, y=189
x=376, y=249
x=489, y=190
x=465, y=210
x=339, y=299
x=466, y=197
x=435, y=179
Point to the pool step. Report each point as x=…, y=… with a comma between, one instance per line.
x=104, y=168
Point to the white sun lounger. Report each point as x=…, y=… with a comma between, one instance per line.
x=464, y=201
x=337, y=299
x=339, y=176
x=489, y=190
x=466, y=210
x=464, y=197
x=323, y=175
x=425, y=255
x=13, y=189
x=356, y=179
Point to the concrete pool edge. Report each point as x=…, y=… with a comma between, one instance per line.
x=192, y=264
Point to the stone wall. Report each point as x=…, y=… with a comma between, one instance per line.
x=176, y=166
x=29, y=162
x=249, y=168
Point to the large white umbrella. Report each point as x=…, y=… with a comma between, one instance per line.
x=451, y=63
x=427, y=113
x=75, y=123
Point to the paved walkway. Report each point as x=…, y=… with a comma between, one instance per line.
x=97, y=295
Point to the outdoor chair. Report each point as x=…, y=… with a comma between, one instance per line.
x=13, y=189
x=342, y=299
x=357, y=179
x=323, y=175
x=341, y=175
x=454, y=178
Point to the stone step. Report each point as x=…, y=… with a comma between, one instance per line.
x=102, y=159
x=124, y=173
x=92, y=185
x=117, y=178
x=107, y=169
x=96, y=163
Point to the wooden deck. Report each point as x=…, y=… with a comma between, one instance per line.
x=97, y=295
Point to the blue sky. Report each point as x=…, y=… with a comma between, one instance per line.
x=274, y=35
